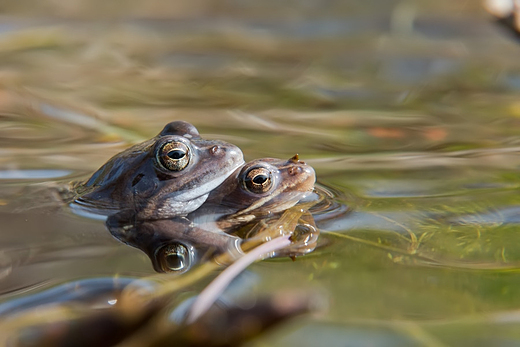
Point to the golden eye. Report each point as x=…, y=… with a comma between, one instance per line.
x=173, y=258
x=174, y=156
x=258, y=180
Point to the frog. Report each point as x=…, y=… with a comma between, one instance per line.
x=169, y=175
x=260, y=189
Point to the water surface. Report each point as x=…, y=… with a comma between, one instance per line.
x=409, y=111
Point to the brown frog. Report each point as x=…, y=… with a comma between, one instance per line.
x=258, y=189
x=166, y=176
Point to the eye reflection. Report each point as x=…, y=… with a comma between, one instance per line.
x=173, y=257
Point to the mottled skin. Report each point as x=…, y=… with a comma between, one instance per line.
x=135, y=180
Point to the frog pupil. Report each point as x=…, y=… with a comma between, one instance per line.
x=259, y=179
x=176, y=154
x=176, y=262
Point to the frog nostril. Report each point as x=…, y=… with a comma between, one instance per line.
x=294, y=170
x=215, y=150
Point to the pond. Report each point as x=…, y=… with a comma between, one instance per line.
x=408, y=112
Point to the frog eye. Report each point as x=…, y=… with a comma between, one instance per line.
x=258, y=180
x=174, y=156
x=174, y=258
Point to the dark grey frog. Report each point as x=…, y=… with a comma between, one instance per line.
x=169, y=175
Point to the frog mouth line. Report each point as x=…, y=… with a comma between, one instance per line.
x=88, y=211
x=206, y=187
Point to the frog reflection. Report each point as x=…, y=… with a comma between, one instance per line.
x=255, y=193
x=176, y=245
x=173, y=245
x=166, y=176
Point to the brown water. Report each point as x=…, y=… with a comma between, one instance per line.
x=409, y=111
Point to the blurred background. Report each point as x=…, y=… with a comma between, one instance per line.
x=408, y=110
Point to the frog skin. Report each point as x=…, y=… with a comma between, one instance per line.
x=167, y=176
x=259, y=189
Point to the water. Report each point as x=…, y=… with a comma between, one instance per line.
x=408, y=111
